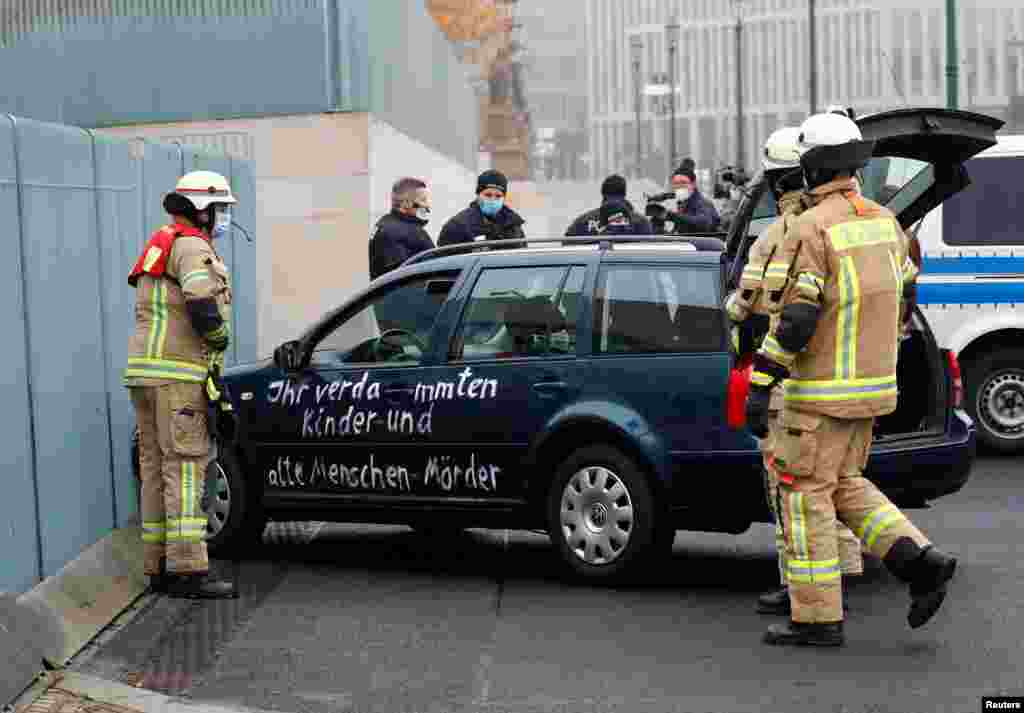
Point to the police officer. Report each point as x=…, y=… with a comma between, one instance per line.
x=487, y=217
x=181, y=328
x=840, y=278
x=399, y=234
x=748, y=309
x=612, y=189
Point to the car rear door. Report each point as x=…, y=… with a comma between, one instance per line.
x=919, y=155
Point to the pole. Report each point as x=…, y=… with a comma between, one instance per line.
x=812, y=32
x=952, y=58
x=636, y=103
x=741, y=158
x=673, y=30
x=636, y=47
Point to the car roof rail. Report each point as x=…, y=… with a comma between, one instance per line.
x=706, y=242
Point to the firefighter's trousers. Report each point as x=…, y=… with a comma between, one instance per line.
x=851, y=558
x=819, y=462
x=174, y=451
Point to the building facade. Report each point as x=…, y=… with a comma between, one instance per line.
x=872, y=55
x=331, y=101
x=555, y=87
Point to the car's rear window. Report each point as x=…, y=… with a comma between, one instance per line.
x=657, y=309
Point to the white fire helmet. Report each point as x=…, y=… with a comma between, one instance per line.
x=827, y=130
x=781, y=150
x=202, y=188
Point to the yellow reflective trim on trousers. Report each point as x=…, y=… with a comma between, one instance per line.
x=847, y=319
x=878, y=522
x=811, y=571
x=873, y=517
x=862, y=233
x=759, y=378
x=187, y=489
x=798, y=523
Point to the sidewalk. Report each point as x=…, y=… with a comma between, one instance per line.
x=65, y=692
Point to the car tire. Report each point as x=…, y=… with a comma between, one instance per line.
x=234, y=509
x=602, y=515
x=994, y=394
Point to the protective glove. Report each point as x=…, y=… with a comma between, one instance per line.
x=757, y=410
x=219, y=338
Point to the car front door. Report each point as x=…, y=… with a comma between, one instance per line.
x=343, y=424
x=512, y=363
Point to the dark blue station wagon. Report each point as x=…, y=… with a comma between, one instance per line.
x=577, y=387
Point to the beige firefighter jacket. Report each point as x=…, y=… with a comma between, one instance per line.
x=165, y=347
x=752, y=281
x=849, y=257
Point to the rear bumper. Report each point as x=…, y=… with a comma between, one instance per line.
x=914, y=473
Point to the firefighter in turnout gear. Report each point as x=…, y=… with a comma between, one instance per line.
x=748, y=309
x=182, y=306
x=839, y=278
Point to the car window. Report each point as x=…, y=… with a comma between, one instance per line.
x=404, y=316
x=896, y=182
x=642, y=309
x=987, y=212
x=518, y=312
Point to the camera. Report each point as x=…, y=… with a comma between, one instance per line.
x=656, y=211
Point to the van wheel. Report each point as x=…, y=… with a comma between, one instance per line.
x=235, y=519
x=995, y=398
x=602, y=516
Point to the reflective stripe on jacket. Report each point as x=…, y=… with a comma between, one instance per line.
x=848, y=256
x=164, y=346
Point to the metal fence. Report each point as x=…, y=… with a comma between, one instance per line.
x=78, y=207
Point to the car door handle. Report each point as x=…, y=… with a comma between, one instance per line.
x=550, y=388
x=396, y=393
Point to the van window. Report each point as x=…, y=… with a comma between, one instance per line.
x=987, y=212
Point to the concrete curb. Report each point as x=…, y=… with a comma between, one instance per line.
x=60, y=615
x=78, y=693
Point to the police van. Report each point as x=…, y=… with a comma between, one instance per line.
x=971, y=289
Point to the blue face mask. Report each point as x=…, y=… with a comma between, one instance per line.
x=489, y=207
x=222, y=223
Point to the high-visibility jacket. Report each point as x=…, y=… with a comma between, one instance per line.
x=849, y=257
x=178, y=266
x=751, y=297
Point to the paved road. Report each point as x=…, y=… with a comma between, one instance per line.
x=340, y=618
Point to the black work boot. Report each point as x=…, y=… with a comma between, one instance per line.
x=927, y=571
x=798, y=634
x=158, y=582
x=198, y=586
x=776, y=602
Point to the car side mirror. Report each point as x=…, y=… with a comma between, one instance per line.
x=287, y=357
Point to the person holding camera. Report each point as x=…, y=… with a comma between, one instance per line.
x=694, y=213
x=613, y=190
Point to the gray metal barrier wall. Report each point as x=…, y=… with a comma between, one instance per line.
x=77, y=208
